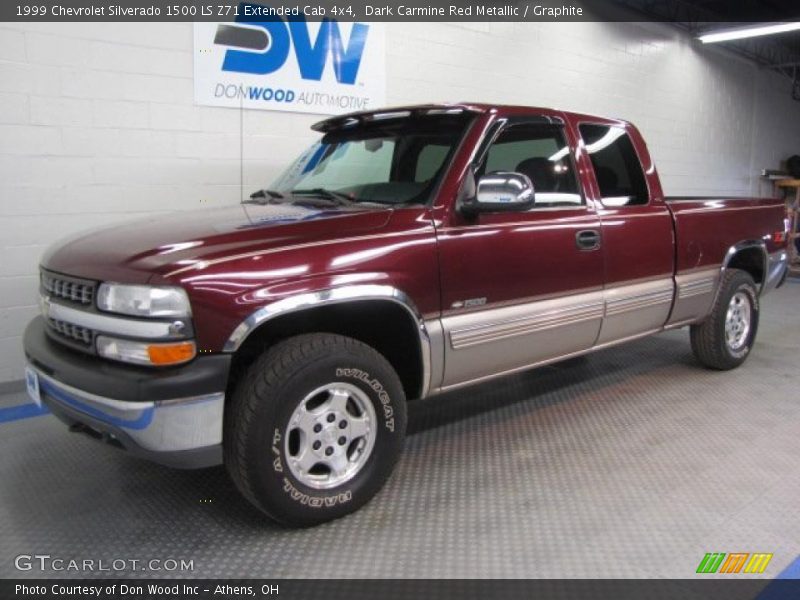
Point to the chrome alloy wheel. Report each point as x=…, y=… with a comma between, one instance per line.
x=737, y=321
x=330, y=435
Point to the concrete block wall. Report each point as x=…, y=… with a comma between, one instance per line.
x=98, y=125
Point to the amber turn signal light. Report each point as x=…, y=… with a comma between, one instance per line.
x=170, y=354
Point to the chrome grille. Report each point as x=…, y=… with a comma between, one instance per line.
x=73, y=332
x=74, y=290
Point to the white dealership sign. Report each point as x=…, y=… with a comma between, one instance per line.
x=323, y=67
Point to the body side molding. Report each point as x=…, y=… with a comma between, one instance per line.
x=694, y=297
x=698, y=290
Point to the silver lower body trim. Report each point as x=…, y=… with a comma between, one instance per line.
x=636, y=307
x=695, y=295
x=547, y=361
x=173, y=425
x=526, y=324
x=499, y=339
x=508, y=338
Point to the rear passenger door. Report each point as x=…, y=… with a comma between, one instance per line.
x=637, y=232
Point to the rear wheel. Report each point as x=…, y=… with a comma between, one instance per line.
x=315, y=428
x=724, y=340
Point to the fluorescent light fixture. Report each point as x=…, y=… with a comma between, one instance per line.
x=741, y=33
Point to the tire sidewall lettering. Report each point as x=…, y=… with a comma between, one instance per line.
x=376, y=386
x=315, y=501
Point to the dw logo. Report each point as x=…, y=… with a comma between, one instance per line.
x=263, y=47
x=291, y=62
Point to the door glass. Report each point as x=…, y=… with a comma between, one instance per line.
x=543, y=155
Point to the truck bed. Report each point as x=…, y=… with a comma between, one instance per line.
x=706, y=227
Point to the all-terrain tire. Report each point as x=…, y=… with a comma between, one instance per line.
x=262, y=433
x=711, y=342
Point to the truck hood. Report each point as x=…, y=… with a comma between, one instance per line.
x=138, y=251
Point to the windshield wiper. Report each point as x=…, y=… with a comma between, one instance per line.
x=264, y=197
x=338, y=198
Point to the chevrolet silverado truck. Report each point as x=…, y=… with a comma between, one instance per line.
x=407, y=252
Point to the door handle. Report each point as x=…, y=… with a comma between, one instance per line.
x=588, y=239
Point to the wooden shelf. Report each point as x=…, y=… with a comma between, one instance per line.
x=788, y=183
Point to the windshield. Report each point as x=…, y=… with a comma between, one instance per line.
x=396, y=162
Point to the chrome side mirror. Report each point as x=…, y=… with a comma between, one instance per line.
x=502, y=191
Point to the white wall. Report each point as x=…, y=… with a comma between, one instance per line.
x=97, y=122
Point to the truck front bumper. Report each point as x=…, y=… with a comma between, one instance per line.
x=170, y=416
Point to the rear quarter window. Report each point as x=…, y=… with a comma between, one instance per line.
x=616, y=165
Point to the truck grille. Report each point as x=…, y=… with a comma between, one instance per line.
x=71, y=289
x=68, y=290
x=75, y=333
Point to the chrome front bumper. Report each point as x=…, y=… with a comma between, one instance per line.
x=180, y=432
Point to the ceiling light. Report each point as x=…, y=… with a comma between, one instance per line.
x=747, y=32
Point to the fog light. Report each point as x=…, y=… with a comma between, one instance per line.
x=144, y=353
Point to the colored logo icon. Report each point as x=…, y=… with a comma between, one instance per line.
x=737, y=562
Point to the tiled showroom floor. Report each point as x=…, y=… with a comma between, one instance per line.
x=631, y=462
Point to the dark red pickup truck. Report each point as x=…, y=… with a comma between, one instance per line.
x=409, y=251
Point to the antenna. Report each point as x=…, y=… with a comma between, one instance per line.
x=241, y=148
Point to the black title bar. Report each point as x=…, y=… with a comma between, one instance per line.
x=733, y=588
x=376, y=11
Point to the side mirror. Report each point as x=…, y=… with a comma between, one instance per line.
x=501, y=191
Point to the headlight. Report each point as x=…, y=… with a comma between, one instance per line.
x=143, y=300
x=144, y=353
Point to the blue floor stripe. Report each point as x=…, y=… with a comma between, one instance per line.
x=786, y=586
x=21, y=411
x=792, y=571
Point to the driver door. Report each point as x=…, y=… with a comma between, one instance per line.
x=520, y=288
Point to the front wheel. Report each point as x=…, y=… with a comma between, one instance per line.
x=724, y=340
x=315, y=428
